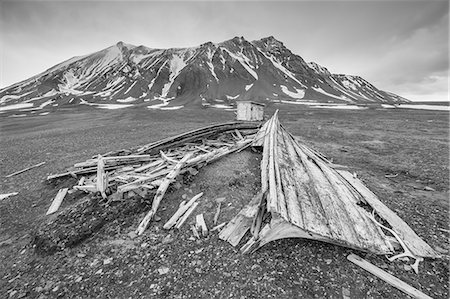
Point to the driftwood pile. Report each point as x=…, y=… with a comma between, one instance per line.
x=121, y=174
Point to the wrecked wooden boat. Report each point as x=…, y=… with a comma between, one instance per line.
x=303, y=195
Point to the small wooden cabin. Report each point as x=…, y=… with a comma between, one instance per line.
x=250, y=111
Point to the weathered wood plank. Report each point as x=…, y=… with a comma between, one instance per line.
x=23, y=170
x=181, y=210
x=57, y=201
x=6, y=195
x=160, y=194
x=389, y=278
x=186, y=215
x=200, y=222
x=417, y=245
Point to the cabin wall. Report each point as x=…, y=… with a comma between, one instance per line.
x=249, y=112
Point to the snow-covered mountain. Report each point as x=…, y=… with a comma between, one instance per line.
x=210, y=75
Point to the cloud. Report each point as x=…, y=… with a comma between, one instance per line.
x=400, y=46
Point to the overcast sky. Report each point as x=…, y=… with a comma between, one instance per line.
x=399, y=46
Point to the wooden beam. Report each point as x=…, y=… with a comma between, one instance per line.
x=218, y=226
x=57, y=201
x=6, y=195
x=200, y=222
x=23, y=170
x=102, y=180
x=186, y=215
x=181, y=210
x=417, y=245
x=392, y=280
x=160, y=193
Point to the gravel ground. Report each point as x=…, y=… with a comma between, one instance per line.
x=112, y=262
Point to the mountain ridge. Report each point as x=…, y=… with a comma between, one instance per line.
x=208, y=75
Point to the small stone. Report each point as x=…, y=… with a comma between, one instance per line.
x=55, y=289
x=226, y=274
x=255, y=266
x=407, y=267
x=157, y=218
x=21, y=295
x=94, y=263
x=163, y=270
x=48, y=285
x=184, y=196
x=107, y=261
x=144, y=245
x=428, y=189
x=119, y=273
x=12, y=293
x=328, y=261
x=167, y=239
x=345, y=293
x=132, y=235
x=79, y=279
x=199, y=250
x=99, y=271
x=81, y=255
x=38, y=289
x=198, y=270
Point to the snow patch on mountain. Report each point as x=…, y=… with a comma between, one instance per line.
x=279, y=66
x=318, y=89
x=298, y=94
x=243, y=61
x=176, y=65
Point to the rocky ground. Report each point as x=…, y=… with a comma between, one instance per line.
x=111, y=261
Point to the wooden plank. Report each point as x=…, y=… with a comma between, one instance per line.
x=57, y=201
x=417, y=245
x=195, y=231
x=218, y=226
x=200, y=222
x=219, y=203
x=195, y=135
x=181, y=210
x=389, y=278
x=160, y=194
x=6, y=195
x=314, y=219
x=241, y=223
x=186, y=215
x=369, y=235
x=239, y=135
x=102, y=179
x=23, y=170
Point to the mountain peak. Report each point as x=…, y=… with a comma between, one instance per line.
x=211, y=74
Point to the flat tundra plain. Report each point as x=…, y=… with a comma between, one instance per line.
x=402, y=155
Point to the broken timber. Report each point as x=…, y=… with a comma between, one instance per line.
x=160, y=193
x=23, y=170
x=303, y=195
x=57, y=201
x=392, y=280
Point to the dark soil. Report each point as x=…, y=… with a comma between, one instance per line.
x=90, y=250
